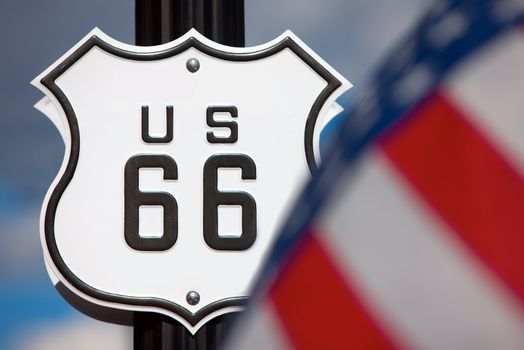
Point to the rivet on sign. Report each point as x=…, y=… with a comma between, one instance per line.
x=192, y=298
x=193, y=65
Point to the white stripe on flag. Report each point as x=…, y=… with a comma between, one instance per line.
x=489, y=89
x=260, y=330
x=420, y=283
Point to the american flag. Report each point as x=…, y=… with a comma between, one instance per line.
x=411, y=234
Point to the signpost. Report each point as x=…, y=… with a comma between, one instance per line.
x=159, y=22
x=181, y=160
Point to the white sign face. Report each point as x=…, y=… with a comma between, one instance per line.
x=180, y=162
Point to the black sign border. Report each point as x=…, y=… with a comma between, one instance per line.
x=49, y=81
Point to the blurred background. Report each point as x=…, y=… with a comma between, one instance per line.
x=351, y=35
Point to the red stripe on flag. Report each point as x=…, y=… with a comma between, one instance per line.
x=317, y=307
x=469, y=184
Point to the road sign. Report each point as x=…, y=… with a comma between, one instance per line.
x=180, y=162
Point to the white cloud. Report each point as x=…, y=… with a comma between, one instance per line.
x=78, y=334
x=351, y=35
x=21, y=253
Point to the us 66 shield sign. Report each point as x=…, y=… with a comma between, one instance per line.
x=180, y=162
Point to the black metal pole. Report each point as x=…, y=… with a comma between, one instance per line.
x=158, y=22
x=158, y=332
x=161, y=21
